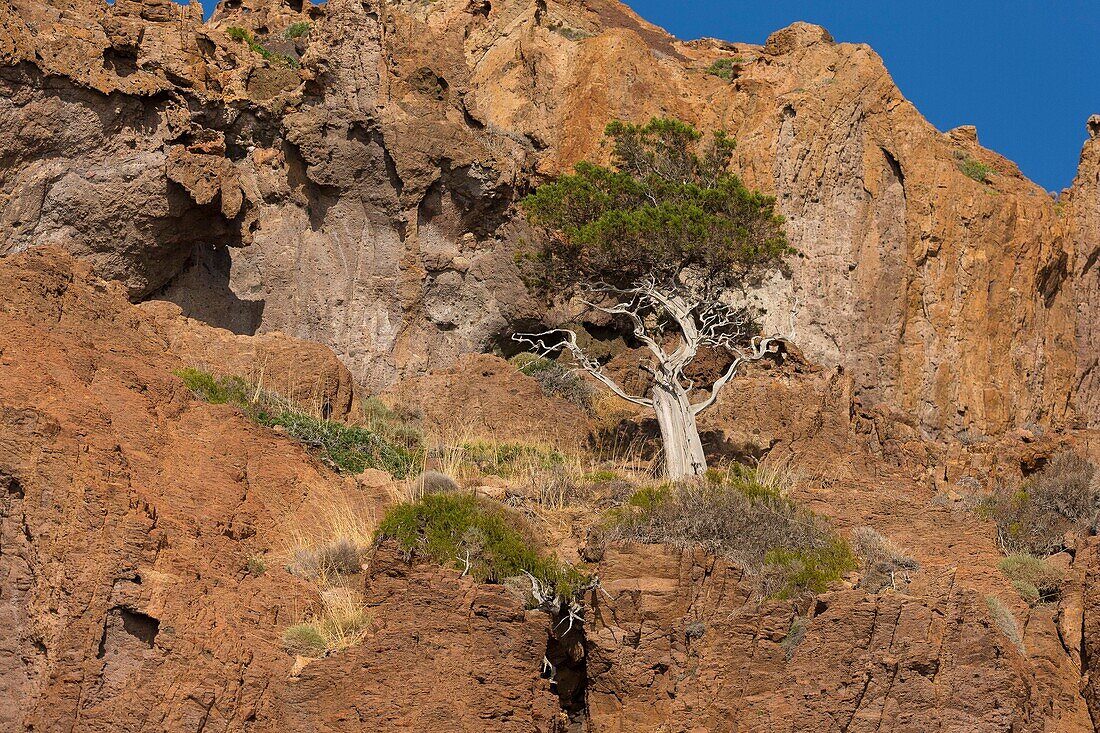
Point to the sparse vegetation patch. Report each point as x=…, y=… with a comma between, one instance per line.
x=340, y=621
x=245, y=37
x=745, y=516
x=297, y=30
x=346, y=448
x=555, y=379
x=974, y=169
x=884, y=564
x=510, y=459
x=1034, y=517
x=725, y=68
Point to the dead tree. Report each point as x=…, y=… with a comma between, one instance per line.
x=697, y=322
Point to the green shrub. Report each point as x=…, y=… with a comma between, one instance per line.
x=555, y=380
x=974, y=169
x=602, y=476
x=1034, y=517
x=297, y=30
x=346, y=448
x=1036, y=580
x=243, y=36
x=745, y=517
x=453, y=529
x=725, y=68
x=793, y=573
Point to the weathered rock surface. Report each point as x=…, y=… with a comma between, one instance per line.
x=303, y=371
x=484, y=396
x=128, y=514
x=365, y=199
x=675, y=645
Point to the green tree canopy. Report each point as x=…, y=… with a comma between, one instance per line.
x=667, y=209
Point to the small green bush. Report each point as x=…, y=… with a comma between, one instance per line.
x=1036, y=580
x=216, y=390
x=974, y=169
x=724, y=68
x=297, y=30
x=243, y=36
x=346, y=448
x=449, y=528
x=555, y=380
x=744, y=516
x=791, y=573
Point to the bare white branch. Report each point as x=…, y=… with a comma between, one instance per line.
x=760, y=347
x=569, y=341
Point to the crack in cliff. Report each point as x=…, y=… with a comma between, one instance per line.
x=565, y=665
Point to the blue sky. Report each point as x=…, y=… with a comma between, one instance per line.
x=1026, y=73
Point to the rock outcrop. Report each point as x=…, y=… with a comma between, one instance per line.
x=675, y=639
x=128, y=515
x=131, y=516
x=355, y=185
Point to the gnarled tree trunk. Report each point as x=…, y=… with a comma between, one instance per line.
x=703, y=322
x=684, y=457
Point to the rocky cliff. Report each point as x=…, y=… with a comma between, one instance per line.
x=319, y=197
x=131, y=514
x=355, y=185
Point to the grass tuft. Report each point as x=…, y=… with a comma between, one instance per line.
x=1036, y=580
x=510, y=459
x=341, y=621
x=1004, y=619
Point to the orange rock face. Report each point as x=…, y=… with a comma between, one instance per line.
x=356, y=185
x=128, y=515
x=365, y=198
